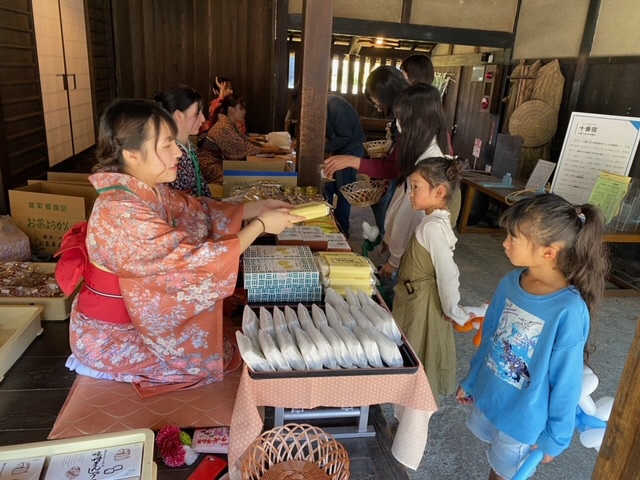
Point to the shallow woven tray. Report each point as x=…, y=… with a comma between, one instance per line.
x=377, y=148
x=364, y=193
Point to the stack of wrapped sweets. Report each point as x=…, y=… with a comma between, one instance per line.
x=340, y=270
x=25, y=279
x=14, y=243
x=315, y=238
x=351, y=333
x=276, y=273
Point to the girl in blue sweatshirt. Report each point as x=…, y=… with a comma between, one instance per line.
x=525, y=380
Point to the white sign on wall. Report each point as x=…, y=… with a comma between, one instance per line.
x=594, y=143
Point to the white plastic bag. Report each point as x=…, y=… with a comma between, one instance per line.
x=346, y=317
x=250, y=326
x=318, y=316
x=369, y=346
x=353, y=345
x=279, y=322
x=339, y=348
x=266, y=321
x=289, y=349
x=271, y=352
x=325, y=350
x=308, y=349
x=252, y=357
x=352, y=299
x=291, y=318
x=334, y=298
x=389, y=351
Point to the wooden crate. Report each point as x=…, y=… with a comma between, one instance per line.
x=19, y=326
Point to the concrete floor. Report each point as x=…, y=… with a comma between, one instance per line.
x=452, y=451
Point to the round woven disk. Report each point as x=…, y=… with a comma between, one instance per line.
x=295, y=470
x=535, y=121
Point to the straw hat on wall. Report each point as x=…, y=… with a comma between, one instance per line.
x=535, y=121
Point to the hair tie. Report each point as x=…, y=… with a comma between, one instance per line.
x=580, y=215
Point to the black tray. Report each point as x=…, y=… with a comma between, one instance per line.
x=410, y=366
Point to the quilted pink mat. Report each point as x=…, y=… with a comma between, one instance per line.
x=103, y=406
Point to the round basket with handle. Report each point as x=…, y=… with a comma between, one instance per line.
x=377, y=148
x=295, y=451
x=364, y=193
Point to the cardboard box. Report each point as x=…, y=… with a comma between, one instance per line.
x=285, y=294
x=284, y=272
x=19, y=326
x=242, y=173
x=54, y=308
x=89, y=442
x=68, y=177
x=45, y=211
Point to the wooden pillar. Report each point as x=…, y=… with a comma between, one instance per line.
x=317, y=17
x=619, y=456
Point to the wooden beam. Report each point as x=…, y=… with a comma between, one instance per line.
x=405, y=31
x=585, y=52
x=619, y=455
x=406, y=11
x=316, y=48
x=467, y=59
x=281, y=77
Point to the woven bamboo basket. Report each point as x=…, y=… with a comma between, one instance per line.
x=364, y=193
x=377, y=148
x=295, y=451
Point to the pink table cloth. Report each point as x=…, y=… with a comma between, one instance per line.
x=409, y=392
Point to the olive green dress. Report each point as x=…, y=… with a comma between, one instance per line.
x=418, y=310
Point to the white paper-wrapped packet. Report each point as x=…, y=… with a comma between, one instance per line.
x=360, y=319
x=391, y=327
x=333, y=298
x=318, y=316
x=331, y=314
x=353, y=344
x=389, y=351
x=272, y=352
x=308, y=349
x=325, y=350
x=250, y=326
x=369, y=346
x=373, y=317
x=346, y=317
x=252, y=357
x=339, y=348
x=352, y=299
x=291, y=318
x=279, y=322
x=266, y=321
x=303, y=316
x=289, y=349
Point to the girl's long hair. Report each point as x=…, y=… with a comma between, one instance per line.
x=418, y=110
x=583, y=258
x=385, y=83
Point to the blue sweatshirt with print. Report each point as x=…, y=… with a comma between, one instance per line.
x=526, y=377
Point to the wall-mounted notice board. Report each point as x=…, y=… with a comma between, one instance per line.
x=594, y=143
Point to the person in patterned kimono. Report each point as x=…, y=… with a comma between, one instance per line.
x=157, y=262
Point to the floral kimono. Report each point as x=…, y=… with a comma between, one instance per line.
x=175, y=258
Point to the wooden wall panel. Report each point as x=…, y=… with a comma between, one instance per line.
x=160, y=43
x=611, y=88
x=23, y=143
x=101, y=56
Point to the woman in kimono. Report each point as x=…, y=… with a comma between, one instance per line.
x=157, y=262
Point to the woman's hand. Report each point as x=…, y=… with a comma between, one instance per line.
x=387, y=271
x=463, y=398
x=253, y=209
x=275, y=221
x=338, y=162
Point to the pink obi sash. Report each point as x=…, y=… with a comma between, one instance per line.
x=100, y=297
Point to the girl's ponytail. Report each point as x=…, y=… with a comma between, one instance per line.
x=587, y=263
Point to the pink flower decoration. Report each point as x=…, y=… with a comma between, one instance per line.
x=170, y=446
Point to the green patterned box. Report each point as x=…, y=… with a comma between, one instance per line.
x=285, y=294
x=280, y=272
x=277, y=251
